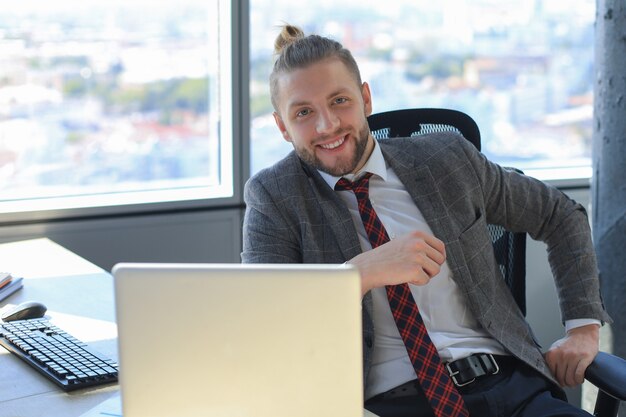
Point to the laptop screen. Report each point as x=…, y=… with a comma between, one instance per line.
x=239, y=340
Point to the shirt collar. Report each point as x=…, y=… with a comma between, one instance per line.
x=375, y=164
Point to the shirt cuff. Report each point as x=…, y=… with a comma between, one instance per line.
x=572, y=324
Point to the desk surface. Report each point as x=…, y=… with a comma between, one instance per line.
x=79, y=297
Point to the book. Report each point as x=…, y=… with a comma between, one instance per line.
x=9, y=288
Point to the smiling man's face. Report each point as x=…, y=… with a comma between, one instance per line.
x=323, y=112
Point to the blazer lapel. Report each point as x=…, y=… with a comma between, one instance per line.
x=421, y=185
x=337, y=216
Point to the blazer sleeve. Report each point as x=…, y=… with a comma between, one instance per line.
x=524, y=204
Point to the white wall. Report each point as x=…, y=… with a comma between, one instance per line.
x=200, y=236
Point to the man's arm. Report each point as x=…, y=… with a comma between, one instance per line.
x=524, y=204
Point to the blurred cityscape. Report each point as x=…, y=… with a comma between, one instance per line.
x=523, y=69
x=120, y=96
x=99, y=99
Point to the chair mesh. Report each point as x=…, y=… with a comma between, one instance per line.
x=424, y=129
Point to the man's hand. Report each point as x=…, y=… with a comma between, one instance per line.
x=568, y=358
x=414, y=258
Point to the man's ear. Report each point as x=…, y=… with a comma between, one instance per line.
x=367, y=99
x=281, y=126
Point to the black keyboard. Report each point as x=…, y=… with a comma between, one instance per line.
x=62, y=358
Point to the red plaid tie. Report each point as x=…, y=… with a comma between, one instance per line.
x=435, y=381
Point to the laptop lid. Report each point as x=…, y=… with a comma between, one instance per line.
x=232, y=340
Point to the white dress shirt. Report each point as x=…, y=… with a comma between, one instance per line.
x=450, y=323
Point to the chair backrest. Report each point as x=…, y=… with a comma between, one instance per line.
x=414, y=122
x=509, y=247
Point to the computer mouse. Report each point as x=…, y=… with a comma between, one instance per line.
x=24, y=311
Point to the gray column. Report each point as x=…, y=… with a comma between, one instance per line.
x=609, y=162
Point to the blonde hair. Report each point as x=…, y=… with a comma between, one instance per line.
x=294, y=50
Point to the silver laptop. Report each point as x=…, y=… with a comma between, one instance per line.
x=231, y=340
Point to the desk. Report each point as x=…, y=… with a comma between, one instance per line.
x=80, y=300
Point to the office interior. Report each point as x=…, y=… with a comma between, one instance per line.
x=209, y=230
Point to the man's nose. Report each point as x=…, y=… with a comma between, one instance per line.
x=327, y=122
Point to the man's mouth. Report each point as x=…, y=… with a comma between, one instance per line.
x=334, y=144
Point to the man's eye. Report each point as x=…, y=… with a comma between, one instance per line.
x=303, y=112
x=340, y=100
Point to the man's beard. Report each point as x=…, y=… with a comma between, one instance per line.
x=340, y=168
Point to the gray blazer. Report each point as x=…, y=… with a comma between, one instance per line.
x=293, y=216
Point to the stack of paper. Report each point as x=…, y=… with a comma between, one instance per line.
x=9, y=284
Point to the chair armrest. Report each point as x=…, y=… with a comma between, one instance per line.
x=608, y=373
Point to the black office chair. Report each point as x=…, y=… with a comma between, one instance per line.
x=607, y=372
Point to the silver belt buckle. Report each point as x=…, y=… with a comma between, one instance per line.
x=454, y=374
x=453, y=377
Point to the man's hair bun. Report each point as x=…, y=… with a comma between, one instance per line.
x=288, y=35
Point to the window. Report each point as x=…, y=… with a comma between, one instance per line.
x=109, y=102
x=521, y=68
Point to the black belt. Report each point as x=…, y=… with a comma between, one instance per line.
x=462, y=372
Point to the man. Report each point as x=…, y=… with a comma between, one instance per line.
x=431, y=199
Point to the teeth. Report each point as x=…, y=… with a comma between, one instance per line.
x=334, y=144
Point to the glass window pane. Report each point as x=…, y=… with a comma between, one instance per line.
x=521, y=68
x=108, y=96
